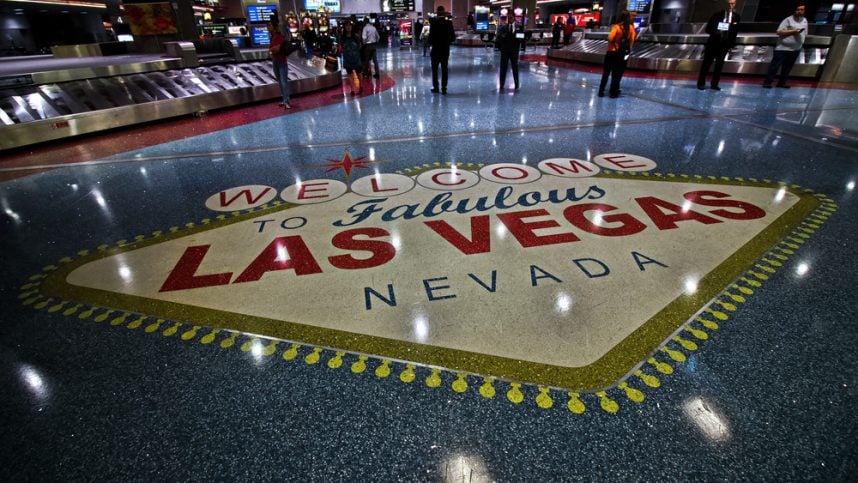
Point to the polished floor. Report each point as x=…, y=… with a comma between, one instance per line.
x=488, y=285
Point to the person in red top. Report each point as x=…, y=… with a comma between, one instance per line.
x=620, y=43
x=281, y=65
x=568, y=29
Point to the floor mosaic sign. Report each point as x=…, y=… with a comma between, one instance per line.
x=569, y=274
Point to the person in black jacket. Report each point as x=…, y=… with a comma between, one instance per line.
x=441, y=35
x=722, y=29
x=509, y=46
x=556, y=30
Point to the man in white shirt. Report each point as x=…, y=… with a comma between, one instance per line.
x=370, y=42
x=791, y=34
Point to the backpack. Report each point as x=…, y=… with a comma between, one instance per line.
x=625, y=45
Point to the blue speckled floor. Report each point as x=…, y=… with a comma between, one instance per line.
x=771, y=397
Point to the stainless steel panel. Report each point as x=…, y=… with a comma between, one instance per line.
x=185, y=51
x=41, y=106
x=19, y=110
x=36, y=114
x=687, y=57
x=841, y=65
x=104, y=71
x=81, y=50
x=4, y=118
x=61, y=100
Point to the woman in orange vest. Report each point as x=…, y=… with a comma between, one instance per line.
x=620, y=43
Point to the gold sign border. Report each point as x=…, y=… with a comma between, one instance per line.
x=662, y=340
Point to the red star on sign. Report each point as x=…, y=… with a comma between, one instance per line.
x=346, y=164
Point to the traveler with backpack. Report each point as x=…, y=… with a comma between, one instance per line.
x=620, y=43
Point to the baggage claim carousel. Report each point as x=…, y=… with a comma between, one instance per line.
x=45, y=98
x=684, y=53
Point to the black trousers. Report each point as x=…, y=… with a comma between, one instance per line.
x=508, y=58
x=783, y=60
x=615, y=66
x=716, y=53
x=370, y=55
x=440, y=57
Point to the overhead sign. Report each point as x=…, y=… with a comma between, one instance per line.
x=331, y=6
x=397, y=5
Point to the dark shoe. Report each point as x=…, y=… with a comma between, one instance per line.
x=716, y=88
x=701, y=88
x=433, y=91
x=516, y=87
x=766, y=86
x=614, y=95
x=783, y=86
x=444, y=92
x=601, y=93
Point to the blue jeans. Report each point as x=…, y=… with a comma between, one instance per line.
x=281, y=72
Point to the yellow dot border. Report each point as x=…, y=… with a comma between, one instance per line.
x=631, y=388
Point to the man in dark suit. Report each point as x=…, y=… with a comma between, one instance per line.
x=509, y=46
x=441, y=35
x=722, y=29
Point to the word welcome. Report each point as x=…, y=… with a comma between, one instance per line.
x=442, y=179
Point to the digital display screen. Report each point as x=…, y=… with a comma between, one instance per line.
x=260, y=13
x=641, y=6
x=233, y=30
x=333, y=6
x=260, y=35
x=481, y=17
x=215, y=30
x=397, y=5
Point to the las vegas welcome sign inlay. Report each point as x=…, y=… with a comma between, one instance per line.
x=567, y=274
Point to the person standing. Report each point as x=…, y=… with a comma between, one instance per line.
x=350, y=45
x=791, y=34
x=509, y=46
x=620, y=43
x=424, y=37
x=308, y=35
x=722, y=29
x=278, y=58
x=370, y=43
x=556, y=30
x=441, y=35
x=568, y=29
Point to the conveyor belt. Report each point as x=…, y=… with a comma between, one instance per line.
x=752, y=55
x=36, y=113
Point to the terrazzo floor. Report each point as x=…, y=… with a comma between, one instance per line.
x=106, y=379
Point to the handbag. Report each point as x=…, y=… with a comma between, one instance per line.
x=625, y=45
